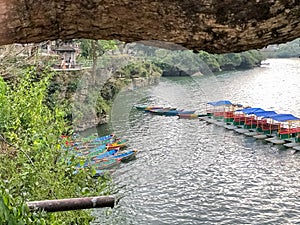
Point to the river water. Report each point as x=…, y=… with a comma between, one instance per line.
x=191, y=172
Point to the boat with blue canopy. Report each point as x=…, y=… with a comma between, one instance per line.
x=219, y=109
x=250, y=121
x=257, y=122
x=289, y=125
x=220, y=103
x=264, y=123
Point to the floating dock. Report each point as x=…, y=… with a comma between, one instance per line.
x=241, y=130
x=289, y=143
x=261, y=136
x=292, y=145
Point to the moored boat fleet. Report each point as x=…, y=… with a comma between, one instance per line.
x=104, y=154
x=268, y=125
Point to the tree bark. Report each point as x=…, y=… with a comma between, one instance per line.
x=72, y=204
x=211, y=25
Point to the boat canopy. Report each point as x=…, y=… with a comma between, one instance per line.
x=265, y=114
x=252, y=110
x=284, y=117
x=220, y=103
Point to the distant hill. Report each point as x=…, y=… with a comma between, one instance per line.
x=288, y=50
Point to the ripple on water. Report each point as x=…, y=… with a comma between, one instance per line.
x=190, y=172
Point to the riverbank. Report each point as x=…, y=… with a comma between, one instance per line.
x=89, y=94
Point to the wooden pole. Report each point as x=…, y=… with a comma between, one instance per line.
x=72, y=203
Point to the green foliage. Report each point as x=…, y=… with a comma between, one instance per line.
x=39, y=168
x=190, y=62
x=210, y=60
x=229, y=61
x=17, y=214
x=232, y=61
x=102, y=106
x=101, y=46
x=183, y=60
x=4, y=109
x=250, y=59
x=139, y=69
x=287, y=50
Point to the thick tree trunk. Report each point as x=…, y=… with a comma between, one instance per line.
x=212, y=25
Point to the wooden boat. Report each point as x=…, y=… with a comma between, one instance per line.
x=218, y=108
x=126, y=156
x=98, y=149
x=96, y=153
x=118, y=144
x=187, y=116
x=161, y=111
x=107, y=154
x=103, y=139
x=250, y=120
x=264, y=124
x=141, y=107
x=186, y=112
x=95, y=141
x=176, y=112
x=106, y=164
x=287, y=128
x=149, y=108
x=110, y=136
x=87, y=146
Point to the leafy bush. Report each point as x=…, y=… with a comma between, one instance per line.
x=38, y=167
x=210, y=60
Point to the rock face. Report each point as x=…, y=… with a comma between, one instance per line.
x=76, y=87
x=211, y=25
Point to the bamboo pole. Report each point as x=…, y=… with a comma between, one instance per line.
x=72, y=204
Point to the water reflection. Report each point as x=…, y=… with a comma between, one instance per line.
x=189, y=172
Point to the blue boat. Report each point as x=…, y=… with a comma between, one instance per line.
x=106, y=164
x=98, y=149
x=95, y=153
x=101, y=164
x=92, y=142
x=161, y=111
x=177, y=112
x=105, y=155
x=126, y=156
x=103, y=138
x=172, y=112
